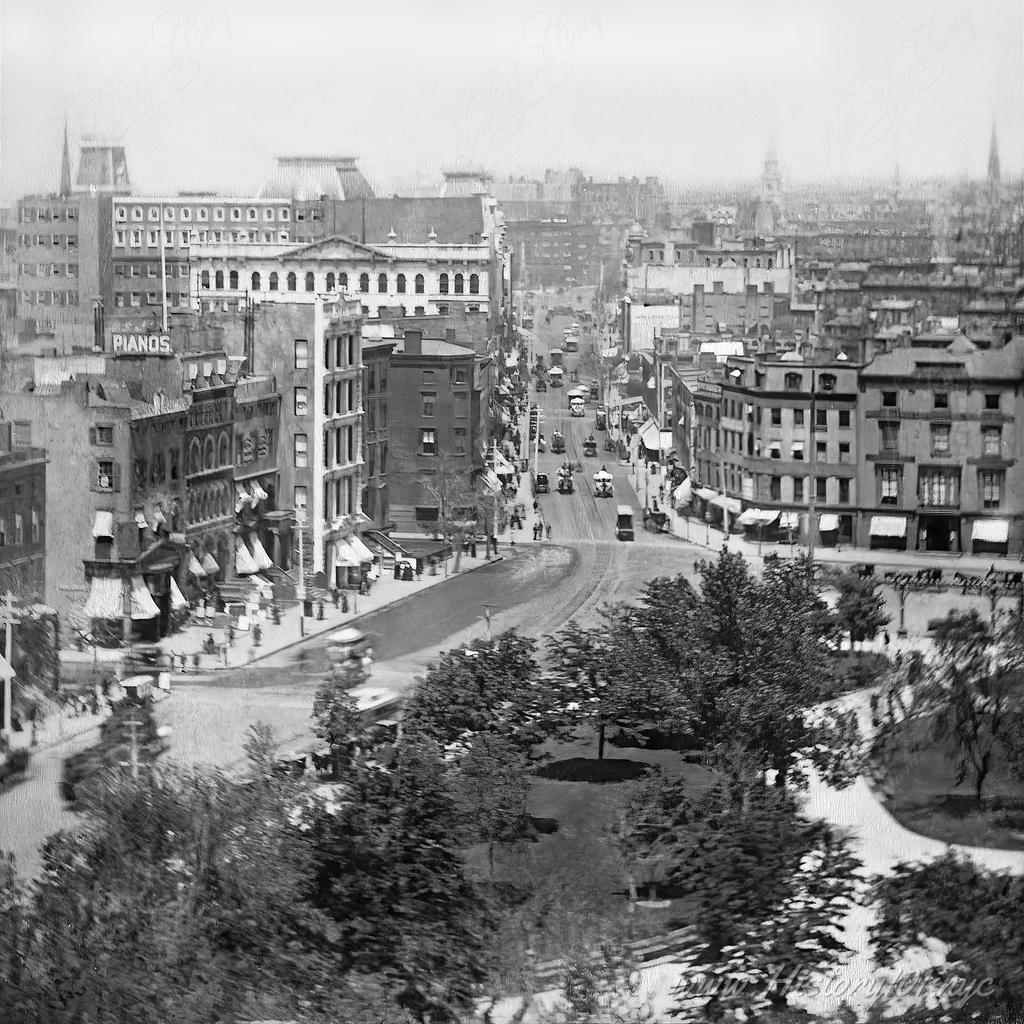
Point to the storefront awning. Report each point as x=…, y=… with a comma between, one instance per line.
x=491, y=481
x=994, y=531
x=143, y=605
x=364, y=553
x=178, y=602
x=829, y=521
x=259, y=553
x=706, y=493
x=757, y=517
x=245, y=564
x=732, y=505
x=345, y=555
x=655, y=439
x=195, y=567
x=888, y=526
x=789, y=521
x=140, y=521
x=106, y=599
x=210, y=564
x=242, y=497
x=103, y=525
x=683, y=493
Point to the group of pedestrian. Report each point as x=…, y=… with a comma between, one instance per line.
x=541, y=530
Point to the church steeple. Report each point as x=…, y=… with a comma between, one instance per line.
x=993, y=158
x=65, y=166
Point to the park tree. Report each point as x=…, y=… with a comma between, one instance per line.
x=969, y=691
x=389, y=874
x=769, y=888
x=490, y=785
x=491, y=686
x=338, y=724
x=860, y=609
x=964, y=906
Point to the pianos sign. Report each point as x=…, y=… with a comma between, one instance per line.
x=141, y=344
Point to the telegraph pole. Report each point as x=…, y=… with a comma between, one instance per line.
x=812, y=461
x=8, y=669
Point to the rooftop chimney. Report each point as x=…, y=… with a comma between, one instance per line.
x=449, y=335
x=413, y=341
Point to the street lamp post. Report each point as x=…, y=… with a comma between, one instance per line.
x=300, y=584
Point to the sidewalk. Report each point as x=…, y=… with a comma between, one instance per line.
x=291, y=631
x=695, y=531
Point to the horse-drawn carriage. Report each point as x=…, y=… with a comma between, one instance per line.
x=557, y=443
x=602, y=484
x=656, y=522
x=590, y=446
x=565, y=484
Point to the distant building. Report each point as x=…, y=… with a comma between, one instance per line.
x=307, y=178
x=376, y=503
x=23, y=536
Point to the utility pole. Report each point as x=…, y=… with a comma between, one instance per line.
x=300, y=585
x=8, y=669
x=812, y=460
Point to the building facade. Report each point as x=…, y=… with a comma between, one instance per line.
x=376, y=504
x=22, y=519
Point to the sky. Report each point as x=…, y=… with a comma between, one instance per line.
x=205, y=95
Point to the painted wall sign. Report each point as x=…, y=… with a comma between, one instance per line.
x=141, y=344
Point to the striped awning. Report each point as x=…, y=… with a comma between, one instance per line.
x=178, y=602
x=143, y=605
x=106, y=599
x=210, y=564
x=245, y=564
x=195, y=567
x=259, y=553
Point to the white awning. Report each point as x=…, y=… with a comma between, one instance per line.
x=178, y=602
x=143, y=605
x=995, y=531
x=262, y=584
x=103, y=525
x=706, y=493
x=747, y=517
x=259, y=553
x=245, y=564
x=829, y=521
x=888, y=526
x=758, y=517
x=654, y=439
x=364, y=553
x=195, y=567
x=491, y=481
x=683, y=493
x=242, y=497
x=775, y=446
x=140, y=521
x=210, y=564
x=345, y=555
x=731, y=504
x=106, y=599
x=789, y=521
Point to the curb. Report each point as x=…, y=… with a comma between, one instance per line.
x=179, y=677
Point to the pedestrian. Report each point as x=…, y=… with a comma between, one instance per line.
x=886, y=638
x=548, y=531
x=494, y=544
x=536, y=506
x=472, y=549
x=334, y=597
x=231, y=634
x=344, y=602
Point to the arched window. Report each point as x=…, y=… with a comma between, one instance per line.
x=330, y=281
x=343, y=281
x=474, y=284
x=418, y=284
x=364, y=282
x=208, y=454
x=442, y=284
x=458, y=284
x=233, y=280
x=400, y=284
x=273, y=281
x=758, y=263
x=256, y=282
x=291, y=280
x=382, y=283
x=204, y=279
x=309, y=281
x=771, y=263
x=707, y=261
x=218, y=280
x=224, y=450
x=195, y=456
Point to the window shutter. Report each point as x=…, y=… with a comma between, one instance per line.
x=92, y=435
x=127, y=540
x=115, y=481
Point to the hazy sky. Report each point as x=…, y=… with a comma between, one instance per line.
x=204, y=95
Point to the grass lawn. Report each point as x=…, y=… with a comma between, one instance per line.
x=920, y=794
x=575, y=878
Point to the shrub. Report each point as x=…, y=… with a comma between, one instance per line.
x=18, y=760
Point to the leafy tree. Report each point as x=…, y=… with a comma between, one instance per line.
x=978, y=914
x=389, y=874
x=492, y=686
x=770, y=889
x=490, y=786
x=970, y=690
x=860, y=609
x=339, y=725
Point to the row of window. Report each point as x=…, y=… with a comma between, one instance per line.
x=889, y=438
x=150, y=270
x=940, y=400
x=124, y=300
x=938, y=487
x=332, y=282
x=339, y=448
x=341, y=355
x=460, y=404
x=429, y=445
x=16, y=537
x=69, y=241
x=821, y=417
x=48, y=269
x=136, y=238
x=31, y=214
x=48, y=298
x=339, y=498
x=201, y=213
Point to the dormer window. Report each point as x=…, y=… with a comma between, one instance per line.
x=828, y=382
x=794, y=381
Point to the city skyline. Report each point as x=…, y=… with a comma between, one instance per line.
x=839, y=95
